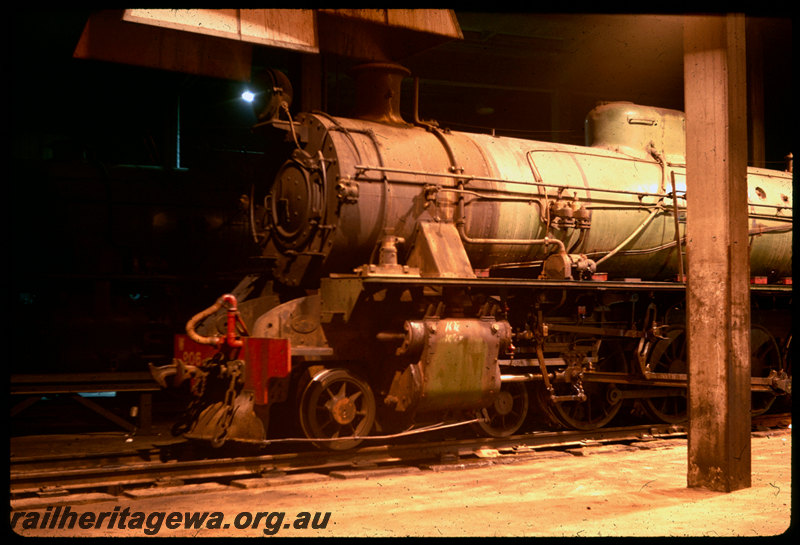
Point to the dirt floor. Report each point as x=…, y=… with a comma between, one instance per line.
x=594, y=491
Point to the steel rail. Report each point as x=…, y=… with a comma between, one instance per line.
x=26, y=482
x=142, y=473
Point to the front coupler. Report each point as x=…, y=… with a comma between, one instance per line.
x=233, y=378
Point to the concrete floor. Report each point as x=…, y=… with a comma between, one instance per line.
x=593, y=491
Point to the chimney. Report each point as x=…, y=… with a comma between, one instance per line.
x=378, y=91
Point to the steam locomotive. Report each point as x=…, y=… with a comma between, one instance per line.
x=416, y=275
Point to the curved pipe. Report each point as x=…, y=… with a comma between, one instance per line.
x=430, y=127
x=230, y=338
x=654, y=249
x=518, y=241
x=638, y=230
x=285, y=108
x=462, y=221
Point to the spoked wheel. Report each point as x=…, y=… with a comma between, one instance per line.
x=508, y=412
x=337, y=404
x=669, y=356
x=602, y=400
x=765, y=357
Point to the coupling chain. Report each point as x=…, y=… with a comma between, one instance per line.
x=234, y=371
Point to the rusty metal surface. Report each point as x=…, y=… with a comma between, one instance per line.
x=439, y=252
x=612, y=206
x=457, y=367
x=630, y=128
x=265, y=359
x=297, y=320
x=221, y=422
x=378, y=92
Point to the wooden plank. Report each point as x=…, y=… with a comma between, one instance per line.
x=286, y=28
x=107, y=37
x=433, y=21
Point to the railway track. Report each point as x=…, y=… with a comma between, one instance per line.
x=118, y=473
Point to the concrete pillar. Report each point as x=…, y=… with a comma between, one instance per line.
x=718, y=300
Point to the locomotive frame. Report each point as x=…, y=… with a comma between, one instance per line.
x=421, y=275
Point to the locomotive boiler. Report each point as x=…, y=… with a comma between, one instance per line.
x=415, y=274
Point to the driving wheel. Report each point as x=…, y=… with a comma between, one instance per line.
x=669, y=355
x=602, y=400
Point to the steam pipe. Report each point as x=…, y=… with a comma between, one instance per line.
x=636, y=231
x=461, y=222
x=233, y=318
x=518, y=241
